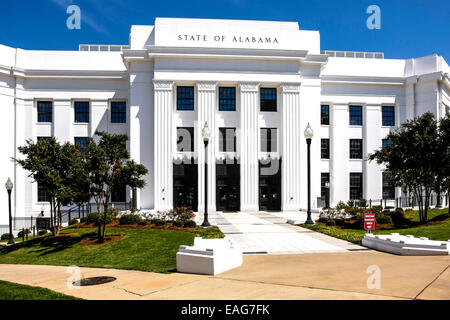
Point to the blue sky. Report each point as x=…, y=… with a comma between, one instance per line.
x=409, y=28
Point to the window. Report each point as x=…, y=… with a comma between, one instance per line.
x=185, y=98
x=325, y=148
x=325, y=114
x=388, y=116
x=44, y=138
x=118, y=112
x=386, y=143
x=45, y=109
x=227, y=99
x=227, y=139
x=268, y=99
x=388, y=187
x=356, y=149
x=81, y=111
x=355, y=113
x=185, y=139
x=356, y=186
x=119, y=194
x=324, y=192
x=82, y=141
x=268, y=140
x=43, y=195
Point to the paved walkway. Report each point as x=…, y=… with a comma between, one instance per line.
x=305, y=276
x=269, y=233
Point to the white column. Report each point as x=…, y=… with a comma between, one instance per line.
x=372, y=178
x=206, y=92
x=163, y=145
x=249, y=146
x=291, y=135
x=339, y=154
x=61, y=120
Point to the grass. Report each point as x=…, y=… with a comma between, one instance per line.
x=15, y=291
x=438, y=227
x=139, y=249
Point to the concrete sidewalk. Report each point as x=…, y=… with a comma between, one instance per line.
x=305, y=276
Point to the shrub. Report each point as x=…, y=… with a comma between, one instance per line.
x=384, y=219
x=376, y=210
x=386, y=211
x=129, y=219
x=341, y=205
x=73, y=222
x=158, y=222
x=190, y=224
x=398, y=216
x=323, y=219
x=184, y=213
x=359, y=222
x=339, y=221
x=5, y=236
x=23, y=233
x=92, y=218
x=178, y=223
x=142, y=223
x=331, y=223
x=42, y=232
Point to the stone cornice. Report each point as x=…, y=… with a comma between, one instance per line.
x=162, y=85
x=249, y=86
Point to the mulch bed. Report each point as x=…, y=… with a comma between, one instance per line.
x=94, y=240
x=115, y=224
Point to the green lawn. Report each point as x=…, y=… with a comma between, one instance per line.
x=434, y=230
x=15, y=291
x=139, y=249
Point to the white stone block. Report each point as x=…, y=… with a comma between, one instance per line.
x=209, y=256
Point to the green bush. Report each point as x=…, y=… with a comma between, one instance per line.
x=376, y=210
x=73, y=222
x=178, y=223
x=339, y=221
x=359, y=222
x=130, y=219
x=190, y=224
x=398, y=216
x=158, y=222
x=5, y=236
x=331, y=223
x=384, y=219
x=386, y=211
x=93, y=218
x=208, y=233
x=323, y=219
x=42, y=232
x=23, y=233
x=142, y=222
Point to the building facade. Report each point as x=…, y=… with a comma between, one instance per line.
x=257, y=84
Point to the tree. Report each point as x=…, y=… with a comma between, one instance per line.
x=443, y=182
x=131, y=175
x=413, y=159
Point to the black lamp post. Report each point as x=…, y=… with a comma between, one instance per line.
x=9, y=186
x=206, y=134
x=308, y=135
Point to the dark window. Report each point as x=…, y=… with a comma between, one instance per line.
x=355, y=114
x=325, y=114
x=324, y=192
x=388, y=116
x=268, y=140
x=325, y=148
x=268, y=99
x=356, y=182
x=81, y=111
x=185, y=98
x=82, y=141
x=185, y=139
x=43, y=195
x=118, y=112
x=45, y=109
x=44, y=138
x=386, y=143
x=388, y=187
x=227, y=99
x=119, y=194
x=356, y=149
x=227, y=139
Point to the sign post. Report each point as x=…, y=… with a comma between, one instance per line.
x=369, y=221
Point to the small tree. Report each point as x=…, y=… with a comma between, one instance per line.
x=413, y=159
x=131, y=175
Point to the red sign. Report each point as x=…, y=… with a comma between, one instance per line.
x=369, y=221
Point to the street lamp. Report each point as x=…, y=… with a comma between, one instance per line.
x=42, y=210
x=9, y=186
x=308, y=135
x=206, y=134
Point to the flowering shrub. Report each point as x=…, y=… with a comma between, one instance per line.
x=184, y=213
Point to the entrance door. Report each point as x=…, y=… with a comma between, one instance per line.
x=185, y=185
x=227, y=181
x=270, y=186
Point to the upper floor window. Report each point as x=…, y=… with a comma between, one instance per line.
x=386, y=143
x=185, y=98
x=268, y=99
x=356, y=149
x=356, y=186
x=388, y=187
x=83, y=142
x=227, y=139
x=355, y=115
x=43, y=195
x=118, y=112
x=388, y=116
x=81, y=111
x=43, y=138
x=227, y=99
x=325, y=114
x=325, y=148
x=185, y=139
x=268, y=140
x=119, y=193
x=45, y=111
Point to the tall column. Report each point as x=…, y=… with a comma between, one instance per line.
x=163, y=145
x=249, y=146
x=206, y=92
x=372, y=178
x=291, y=135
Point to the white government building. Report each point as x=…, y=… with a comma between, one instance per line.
x=257, y=84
